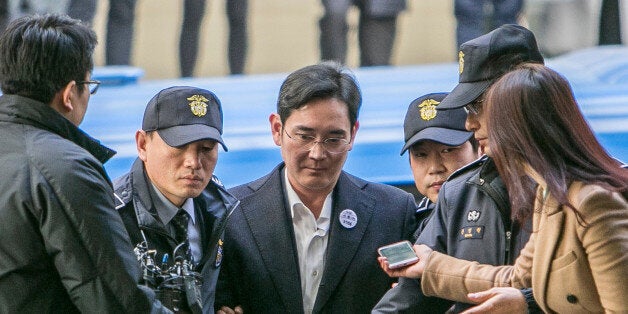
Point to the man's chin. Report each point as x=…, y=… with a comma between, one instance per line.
x=192, y=192
x=317, y=184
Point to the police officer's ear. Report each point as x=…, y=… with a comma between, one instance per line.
x=141, y=138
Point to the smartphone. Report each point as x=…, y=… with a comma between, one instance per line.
x=398, y=254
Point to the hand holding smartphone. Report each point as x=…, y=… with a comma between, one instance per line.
x=398, y=254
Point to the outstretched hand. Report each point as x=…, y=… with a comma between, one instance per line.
x=498, y=300
x=411, y=271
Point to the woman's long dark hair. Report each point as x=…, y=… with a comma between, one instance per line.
x=533, y=119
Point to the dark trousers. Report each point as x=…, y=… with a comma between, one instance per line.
x=83, y=10
x=120, y=26
x=472, y=20
x=376, y=35
x=193, y=12
x=610, y=23
x=4, y=14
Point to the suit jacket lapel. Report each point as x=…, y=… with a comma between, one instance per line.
x=343, y=241
x=271, y=226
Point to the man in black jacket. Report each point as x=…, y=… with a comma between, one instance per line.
x=171, y=203
x=438, y=144
x=472, y=215
x=63, y=247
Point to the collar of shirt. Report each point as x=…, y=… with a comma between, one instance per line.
x=293, y=200
x=166, y=210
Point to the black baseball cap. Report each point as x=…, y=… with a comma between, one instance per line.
x=486, y=58
x=184, y=114
x=424, y=122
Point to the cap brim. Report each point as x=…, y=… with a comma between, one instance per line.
x=447, y=137
x=180, y=135
x=463, y=94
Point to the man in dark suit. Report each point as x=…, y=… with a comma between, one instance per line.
x=172, y=206
x=302, y=239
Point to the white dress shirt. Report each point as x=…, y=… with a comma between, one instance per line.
x=311, y=236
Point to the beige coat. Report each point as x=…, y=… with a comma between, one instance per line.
x=571, y=268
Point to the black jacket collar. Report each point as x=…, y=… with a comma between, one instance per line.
x=23, y=110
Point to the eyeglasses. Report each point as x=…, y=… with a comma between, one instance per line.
x=333, y=145
x=474, y=107
x=91, y=85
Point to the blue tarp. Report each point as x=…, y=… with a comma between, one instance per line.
x=599, y=77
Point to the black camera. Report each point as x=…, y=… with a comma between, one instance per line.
x=176, y=286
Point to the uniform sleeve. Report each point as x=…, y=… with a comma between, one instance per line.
x=605, y=240
x=85, y=236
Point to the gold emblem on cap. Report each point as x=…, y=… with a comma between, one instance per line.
x=460, y=61
x=198, y=105
x=427, y=108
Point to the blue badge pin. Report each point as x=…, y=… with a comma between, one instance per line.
x=348, y=218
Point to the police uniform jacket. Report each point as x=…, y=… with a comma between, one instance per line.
x=63, y=247
x=471, y=221
x=213, y=207
x=423, y=213
x=472, y=217
x=573, y=265
x=261, y=270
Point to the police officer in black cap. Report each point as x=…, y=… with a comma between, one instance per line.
x=172, y=205
x=471, y=219
x=438, y=144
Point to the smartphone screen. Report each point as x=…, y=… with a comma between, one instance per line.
x=398, y=254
